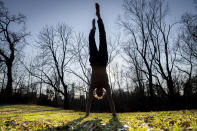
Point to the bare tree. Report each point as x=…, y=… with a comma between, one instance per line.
x=139, y=20
x=186, y=61
x=80, y=64
x=11, y=41
x=2, y=76
x=187, y=45
x=113, y=52
x=165, y=54
x=189, y=32
x=54, y=57
x=145, y=21
x=135, y=63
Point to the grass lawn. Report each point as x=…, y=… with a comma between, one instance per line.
x=33, y=117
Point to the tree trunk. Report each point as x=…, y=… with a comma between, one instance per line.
x=40, y=87
x=8, y=91
x=65, y=97
x=151, y=92
x=151, y=86
x=171, y=91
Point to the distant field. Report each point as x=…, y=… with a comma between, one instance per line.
x=33, y=117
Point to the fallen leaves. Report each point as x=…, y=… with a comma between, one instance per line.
x=22, y=117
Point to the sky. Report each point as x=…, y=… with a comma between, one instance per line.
x=76, y=13
x=79, y=13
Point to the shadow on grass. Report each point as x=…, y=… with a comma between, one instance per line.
x=93, y=125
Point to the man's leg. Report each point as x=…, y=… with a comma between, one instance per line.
x=102, y=36
x=92, y=45
x=89, y=101
x=110, y=100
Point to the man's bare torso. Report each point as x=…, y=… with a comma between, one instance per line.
x=99, y=77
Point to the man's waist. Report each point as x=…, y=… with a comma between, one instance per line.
x=98, y=67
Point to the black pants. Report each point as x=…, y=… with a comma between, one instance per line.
x=98, y=57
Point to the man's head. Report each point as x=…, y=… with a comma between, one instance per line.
x=99, y=93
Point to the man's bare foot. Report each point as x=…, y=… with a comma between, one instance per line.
x=93, y=24
x=97, y=10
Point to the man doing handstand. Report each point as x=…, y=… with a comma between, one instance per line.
x=98, y=62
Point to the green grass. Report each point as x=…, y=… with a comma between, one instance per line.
x=33, y=117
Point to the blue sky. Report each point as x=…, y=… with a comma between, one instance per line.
x=79, y=13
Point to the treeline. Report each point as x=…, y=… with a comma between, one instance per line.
x=153, y=67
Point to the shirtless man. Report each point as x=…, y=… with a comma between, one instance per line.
x=98, y=62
